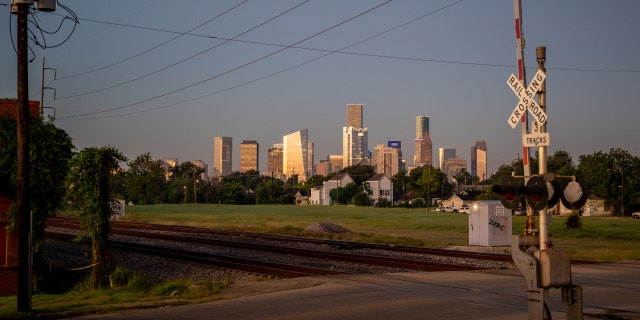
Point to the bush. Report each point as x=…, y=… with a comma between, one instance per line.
x=123, y=278
x=384, y=203
x=574, y=221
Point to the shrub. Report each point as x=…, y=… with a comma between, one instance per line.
x=574, y=221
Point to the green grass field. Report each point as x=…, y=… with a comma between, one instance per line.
x=600, y=239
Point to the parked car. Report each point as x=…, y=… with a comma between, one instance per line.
x=446, y=209
x=636, y=215
x=464, y=209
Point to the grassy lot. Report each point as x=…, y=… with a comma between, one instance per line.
x=600, y=239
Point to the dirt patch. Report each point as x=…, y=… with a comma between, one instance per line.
x=326, y=227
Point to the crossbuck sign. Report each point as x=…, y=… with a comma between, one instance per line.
x=527, y=102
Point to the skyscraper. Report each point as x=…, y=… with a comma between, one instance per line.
x=249, y=155
x=275, y=161
x=354, y=146
x=479, y=160
x=354, y=115
x=444, y=154
x=386, y=160
x=221, y=156
x=295, y=155
x=422, y=126
x=423, y=146
x=396, y=144
x=355, y=138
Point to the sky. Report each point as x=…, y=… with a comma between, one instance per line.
x=165, y=77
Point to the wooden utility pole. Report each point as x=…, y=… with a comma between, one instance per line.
x=23, y=199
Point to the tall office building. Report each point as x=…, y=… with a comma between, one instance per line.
x=386, y=160
x=422, y=126
x=355, y=146
x=479, y=160
x=295, y=159
x=336, y=161
x=200, y=164
x=445, y=154
x=355, y=138
x=453, y=167
x=354, y=115
x=249, y=155
x=275, y=161
x=222, y=156
x=396, y=144
x=423, y=146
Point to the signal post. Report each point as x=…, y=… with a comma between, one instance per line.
x=543, y=266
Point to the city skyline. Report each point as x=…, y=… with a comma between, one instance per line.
x=132, y=78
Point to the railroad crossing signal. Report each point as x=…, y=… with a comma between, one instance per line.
x=542, y=191
x=509, y=191
x=527, y=102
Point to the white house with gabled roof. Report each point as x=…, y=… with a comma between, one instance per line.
x=381, y=187
x=320, y=195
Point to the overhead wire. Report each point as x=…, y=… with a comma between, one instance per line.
x=232, y=69
x=180, y=34
x=190, y=57
x=605, y=70
x=329, y=52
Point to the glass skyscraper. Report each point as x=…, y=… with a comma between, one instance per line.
x=222, y=156
x=295, y=155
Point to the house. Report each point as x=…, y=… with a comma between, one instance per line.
x=301, y=198
x=320, y=195
x=458, y=200
x=8, y=237
x=381, y=187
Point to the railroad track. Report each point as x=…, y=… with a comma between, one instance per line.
x=215, y=260
x=199, y=237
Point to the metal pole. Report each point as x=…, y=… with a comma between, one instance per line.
x=22, y=200
x=545, y=217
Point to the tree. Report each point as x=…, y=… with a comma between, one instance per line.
x=315, y=181
x=269, y=191
x=183, y=184
x=344, y=195
x=145, y=180
x=360, y=173
x=610, y=174
x=463, y=177
x=51, y=149
x=399, y=180
x=90, y=181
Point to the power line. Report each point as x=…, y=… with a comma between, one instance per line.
x=232, y=69
x=329, y=52
x=192, y=56
x=180, y=34
x=604, y=70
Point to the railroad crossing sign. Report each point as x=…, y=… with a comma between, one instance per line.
x=539, y=139
x=527, y=102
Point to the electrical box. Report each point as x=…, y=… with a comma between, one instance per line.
x=489, y=224
x=555, y=268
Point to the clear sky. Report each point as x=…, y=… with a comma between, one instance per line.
x=162, y=76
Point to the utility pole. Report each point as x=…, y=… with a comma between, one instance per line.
x=23, y=201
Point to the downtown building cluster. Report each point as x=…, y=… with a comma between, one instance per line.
x=294, y=155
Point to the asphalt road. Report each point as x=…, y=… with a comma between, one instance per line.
x=610, y=291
